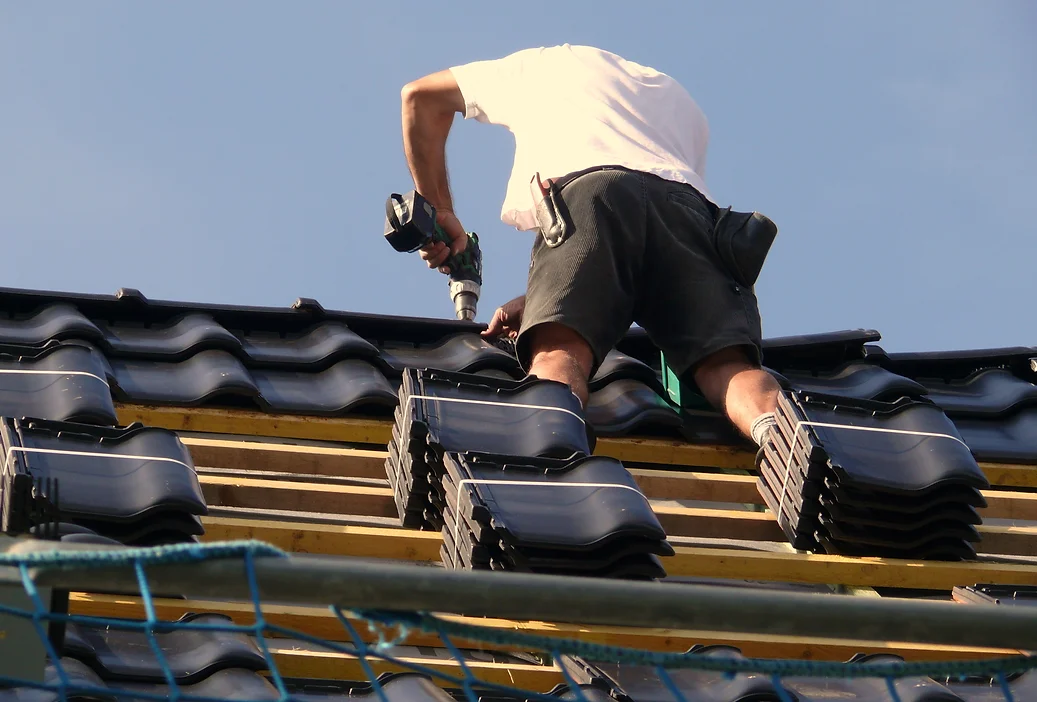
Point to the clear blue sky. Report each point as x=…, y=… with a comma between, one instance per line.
x=241, y=152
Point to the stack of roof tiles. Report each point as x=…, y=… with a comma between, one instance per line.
x=894, y=493
x=133, y=485
x=69, y=472
x=503, y=469
x=862, y=477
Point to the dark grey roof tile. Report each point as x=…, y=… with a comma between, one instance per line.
x=462, y=352
x=859, y=380
x=463, y=412
x=898, y=539
x=95, y=539
x=202, y=378
x=710, y=427
x=961, y=364
x=632, y=557
x=776, y=459
x=907, y=459
x=407, y=687
x=553, y=516
x=822, y=350
x=929, y=515
x=916, y=689
x=1023, y=687
x=225, y=684
x=55, y=321
x=191, y=654
x=1011, y=439
x=643, y=684
x=628, y=406
x=619, y=366
x=313, y=349
x=986, y=393
x=348, y=386
x=587, y=693
x=151, y=466
x=79, y=675
x=67, y=382
x=934, y=550
x=904, y=454
x=395, y=687
x=844, y=505
x=174, y=341
x=179, y=526
x=817, y=351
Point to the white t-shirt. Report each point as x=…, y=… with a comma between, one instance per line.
x=575, y=107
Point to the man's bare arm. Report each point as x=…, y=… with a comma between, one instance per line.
x=429, y=105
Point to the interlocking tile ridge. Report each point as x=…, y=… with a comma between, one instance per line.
x=68, y=382
x=192, y=655
x=232, y=350
x=628, y=406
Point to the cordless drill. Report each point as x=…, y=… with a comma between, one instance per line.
x=410, y=224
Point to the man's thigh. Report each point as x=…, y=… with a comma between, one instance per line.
x=589, y=282
x=690, y=304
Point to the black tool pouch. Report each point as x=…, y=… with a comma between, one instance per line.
x=553, y=217
x=743, y=239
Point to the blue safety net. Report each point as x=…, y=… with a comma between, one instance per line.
x=372, y=640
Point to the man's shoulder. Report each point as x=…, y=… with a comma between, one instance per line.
x=611, y=61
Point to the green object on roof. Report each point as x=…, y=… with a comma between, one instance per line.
x=682, y=388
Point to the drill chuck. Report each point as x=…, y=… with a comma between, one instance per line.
x=465, y=294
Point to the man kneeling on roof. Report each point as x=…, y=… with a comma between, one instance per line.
x=609, y=164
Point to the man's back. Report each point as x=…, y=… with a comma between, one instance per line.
x=574, y=107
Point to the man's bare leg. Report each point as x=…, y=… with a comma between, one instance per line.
x=559, y=353
x=743, y=391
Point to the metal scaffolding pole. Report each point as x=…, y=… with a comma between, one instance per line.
x=372, y=584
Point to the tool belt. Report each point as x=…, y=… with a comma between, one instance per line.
x=742, y=239
x=551, y=214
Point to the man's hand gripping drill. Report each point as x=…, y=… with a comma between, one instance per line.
x=413, y=224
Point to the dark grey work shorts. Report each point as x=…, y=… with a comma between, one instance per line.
x=639, y=248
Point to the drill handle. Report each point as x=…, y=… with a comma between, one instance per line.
x=466, y=265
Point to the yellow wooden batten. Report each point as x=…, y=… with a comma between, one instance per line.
x=423, y=546
x=656, y=483
x=676, y=520
x=378, y=431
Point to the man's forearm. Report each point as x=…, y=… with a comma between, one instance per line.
x=425, y=131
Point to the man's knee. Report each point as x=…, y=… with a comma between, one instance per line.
x=714, y=373
x=556, y=342
x=732, y=359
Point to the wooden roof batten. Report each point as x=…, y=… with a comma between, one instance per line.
x=253, y=460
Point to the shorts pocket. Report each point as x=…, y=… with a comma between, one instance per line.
x=692, y=203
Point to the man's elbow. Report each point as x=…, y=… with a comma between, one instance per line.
x=411, y=93
x=433, y=93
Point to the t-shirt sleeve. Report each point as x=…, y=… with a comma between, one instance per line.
x=494, y=90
